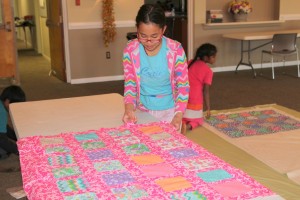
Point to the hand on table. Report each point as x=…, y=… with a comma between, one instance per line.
x=129, y=115
x=177, y=120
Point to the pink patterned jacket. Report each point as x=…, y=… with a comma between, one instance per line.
x=177, y=66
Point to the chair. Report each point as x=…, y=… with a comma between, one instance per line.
x=283, y=45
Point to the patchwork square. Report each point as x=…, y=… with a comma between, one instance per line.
x=119, y=133
x=51, y=141
x=86, y=136
x=61, y=160
x=147, y=159
x=92, y=145
x=136, y=149
x=195, y=195
x=151, y=129
x=214, y=175
x=197, y=164
x=118, y=178
x=110, y=165
x=57, y=149
x=231, y=188
x=252, y=123
x=72, y=185
x=94, y=155
x=183, y=153
x=131, y=192
x=160, y=136
x=158, y=170
x=84, y=196
x=127, y=140
x=173, y=184
x=65, y=172
x=168, y=144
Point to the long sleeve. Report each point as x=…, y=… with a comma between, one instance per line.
x=181, y=80
x=130, y=86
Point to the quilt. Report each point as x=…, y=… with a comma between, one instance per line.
x=149, y=161
x=253, y=122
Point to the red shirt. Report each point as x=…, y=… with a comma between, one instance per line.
x=199, y=74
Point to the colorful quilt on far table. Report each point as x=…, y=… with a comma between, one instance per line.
x=150, y=161
x=254, y=122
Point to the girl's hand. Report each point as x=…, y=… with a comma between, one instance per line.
x=177, y=120
x=129, y=115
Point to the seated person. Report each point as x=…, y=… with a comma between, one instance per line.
x=11, y=94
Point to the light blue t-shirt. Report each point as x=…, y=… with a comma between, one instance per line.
x=156, y=89
x=3, y=118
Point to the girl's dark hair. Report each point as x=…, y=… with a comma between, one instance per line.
x=13, y=93
x=206, y=49
x=151, y=13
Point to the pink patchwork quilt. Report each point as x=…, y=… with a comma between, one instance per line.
x=149, y=161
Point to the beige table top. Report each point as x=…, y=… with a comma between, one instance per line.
x=258, y=35
x=51, y=117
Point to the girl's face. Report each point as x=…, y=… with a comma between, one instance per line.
x=210, y=59
x=150, y=36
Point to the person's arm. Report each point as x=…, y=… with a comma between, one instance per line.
x=207, y=99
x=130, y=89
x=181, y=87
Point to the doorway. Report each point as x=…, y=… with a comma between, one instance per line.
x=40, y=33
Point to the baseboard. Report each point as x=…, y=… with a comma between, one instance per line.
x=215, y=69
x=46, y=57
x=290, y=17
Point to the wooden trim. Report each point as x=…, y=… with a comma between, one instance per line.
x=96, y=25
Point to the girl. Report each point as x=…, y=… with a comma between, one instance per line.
x=155, y=70
x=200, y=78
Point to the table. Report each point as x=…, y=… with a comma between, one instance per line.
x=50, y=117
x=248, y=37
x=23, y=25
x=88, y=161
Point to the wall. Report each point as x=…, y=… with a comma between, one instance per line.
x=90, y=10
x=43, y=31
x=87, y=52
x=45, y=46
x=88, y=61
x=289, y=9
x=229, y=50
x=199, y=10
x=260, y=13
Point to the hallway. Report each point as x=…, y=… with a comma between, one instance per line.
x=38, y=85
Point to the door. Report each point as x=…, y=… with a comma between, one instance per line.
x=8, y=54
x=56, y=39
